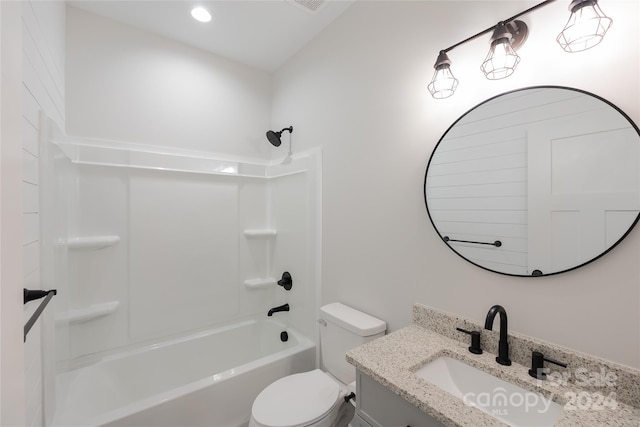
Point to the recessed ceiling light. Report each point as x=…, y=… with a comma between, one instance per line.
x=201, y=14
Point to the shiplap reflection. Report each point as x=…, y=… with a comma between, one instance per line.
x=518, y=169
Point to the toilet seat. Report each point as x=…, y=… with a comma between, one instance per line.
x=296, y=400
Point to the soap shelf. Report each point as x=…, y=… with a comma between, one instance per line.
x=259, y=283
x=82, y=315
x=92, y=242
x=263, y=233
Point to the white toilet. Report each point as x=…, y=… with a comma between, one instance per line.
x=316, y=398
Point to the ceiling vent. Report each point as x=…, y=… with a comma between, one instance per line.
x=311, y=6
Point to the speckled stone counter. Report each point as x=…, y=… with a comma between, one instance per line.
x=393, y=359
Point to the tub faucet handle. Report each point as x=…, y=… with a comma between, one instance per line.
x=286, y=282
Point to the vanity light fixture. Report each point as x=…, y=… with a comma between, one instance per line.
x=443, y=84
x=586, y=28
x=502, y=59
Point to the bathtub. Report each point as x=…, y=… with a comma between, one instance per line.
x=206, y=379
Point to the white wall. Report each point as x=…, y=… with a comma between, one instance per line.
x=12, y=387
x=359, y=91
x=43, y=52
x=129, y=85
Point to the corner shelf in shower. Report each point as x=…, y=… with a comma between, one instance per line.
x=94, y=311
x=260, y=283
x=262, y=233
x=92, y=242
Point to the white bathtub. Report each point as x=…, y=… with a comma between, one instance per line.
x=207, y=379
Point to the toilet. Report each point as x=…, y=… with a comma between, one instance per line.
x=317, y=398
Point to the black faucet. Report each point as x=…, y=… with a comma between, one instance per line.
x=284, y=307
x=503, y=345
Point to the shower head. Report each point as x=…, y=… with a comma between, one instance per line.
x=274, y=137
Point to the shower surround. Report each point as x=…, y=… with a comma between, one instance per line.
x=148, y=245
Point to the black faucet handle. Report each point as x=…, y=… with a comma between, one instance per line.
x=475, y=341
x=287, y=281
x=537, y=365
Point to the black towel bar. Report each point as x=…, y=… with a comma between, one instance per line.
x=30, y=295
x=497, y=243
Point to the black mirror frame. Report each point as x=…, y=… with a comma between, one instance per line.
x=536, y=273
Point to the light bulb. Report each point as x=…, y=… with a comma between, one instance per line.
x=502, y=59
x=585, y=28
x=443, y=84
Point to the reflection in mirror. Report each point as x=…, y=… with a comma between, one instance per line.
x=550, y=173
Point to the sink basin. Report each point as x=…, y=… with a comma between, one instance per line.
x=507, y=402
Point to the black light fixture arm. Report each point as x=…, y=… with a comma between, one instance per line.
x=510, y=33
x=490, y=29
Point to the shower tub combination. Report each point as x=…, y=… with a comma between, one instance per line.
x=209, y=378
x=167, y=276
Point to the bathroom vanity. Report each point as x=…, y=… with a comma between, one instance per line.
x=392, y=389
x=377, y=406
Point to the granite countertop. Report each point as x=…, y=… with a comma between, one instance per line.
x=392, y=360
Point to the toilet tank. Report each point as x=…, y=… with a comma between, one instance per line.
x=343, y=328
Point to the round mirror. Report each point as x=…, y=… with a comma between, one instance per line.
x=535, y=182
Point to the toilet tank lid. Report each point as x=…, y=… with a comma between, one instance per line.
x=352, y=320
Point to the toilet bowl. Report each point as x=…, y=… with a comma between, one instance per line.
x=309, y=399
x=317, y=398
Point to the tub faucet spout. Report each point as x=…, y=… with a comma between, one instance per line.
x=284, y=307
x=503, y=345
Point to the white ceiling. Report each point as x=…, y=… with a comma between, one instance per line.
x=260, y=33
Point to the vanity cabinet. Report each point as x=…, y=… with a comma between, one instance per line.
x=358, y=422
x=376, y=406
